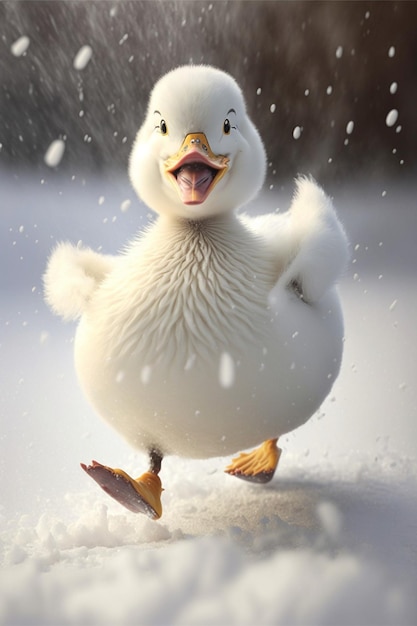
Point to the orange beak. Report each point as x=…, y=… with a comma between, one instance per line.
x=195, y=170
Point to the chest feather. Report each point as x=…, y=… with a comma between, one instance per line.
x=194, y=295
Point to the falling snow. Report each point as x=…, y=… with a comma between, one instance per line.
x=19, y=47
x=296, y=133
x=54, y=153
x=120, y=376
x=349, y=127
x=392, y=117
x=145, y=374
x=83, y=57
x=125, y=206
x=226, y=370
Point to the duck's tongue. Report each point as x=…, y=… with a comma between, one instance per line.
x=193, y=181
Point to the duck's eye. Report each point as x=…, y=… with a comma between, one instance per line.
x=163, y=127
x=226, y=127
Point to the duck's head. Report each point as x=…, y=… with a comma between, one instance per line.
x=197, y=153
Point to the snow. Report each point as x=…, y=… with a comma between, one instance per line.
x=393, y=87
x=349, y=127
x=392, y=117
x=125, y=205
x=83, y=57
x=145, y=374
x=296, y=133
x=331, y=540
x=19, y=47
x=226, y=370
x=54, y=153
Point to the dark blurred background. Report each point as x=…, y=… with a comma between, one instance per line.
x=312, y=65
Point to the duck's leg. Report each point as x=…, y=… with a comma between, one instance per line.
x=257, y=466
x=139, y=495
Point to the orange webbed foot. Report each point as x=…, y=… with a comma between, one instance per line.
x=140, y=495
x=257, y=466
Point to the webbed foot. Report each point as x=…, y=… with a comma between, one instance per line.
x=140, y=495
x=257, y=466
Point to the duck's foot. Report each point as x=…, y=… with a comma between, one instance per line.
x=257, y=466
x=140, y=495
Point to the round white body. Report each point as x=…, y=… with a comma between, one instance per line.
x=182, y=348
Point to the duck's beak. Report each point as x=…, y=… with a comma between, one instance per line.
x=195, y=169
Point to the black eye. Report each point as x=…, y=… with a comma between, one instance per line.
x=163, y=127
x=226, y=127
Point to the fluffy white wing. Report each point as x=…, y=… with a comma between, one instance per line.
x=71, y=277
x=320, y=243
x=307, y=243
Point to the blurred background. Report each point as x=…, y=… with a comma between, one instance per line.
x=332, y=86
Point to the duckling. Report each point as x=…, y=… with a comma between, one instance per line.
x=213, y=331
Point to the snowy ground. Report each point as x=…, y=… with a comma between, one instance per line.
x=332, y=540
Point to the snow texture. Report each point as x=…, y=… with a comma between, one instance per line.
x=330, y=541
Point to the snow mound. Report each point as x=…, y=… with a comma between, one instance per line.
x=301, y=551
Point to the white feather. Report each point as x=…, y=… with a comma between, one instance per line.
x=320, y=243
x=308, y=242
x=72, y=275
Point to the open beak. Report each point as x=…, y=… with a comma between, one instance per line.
x=195, y=169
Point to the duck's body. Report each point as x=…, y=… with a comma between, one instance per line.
x=212, y=332
x=201, y=362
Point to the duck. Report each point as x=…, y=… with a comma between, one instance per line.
x=213, y=332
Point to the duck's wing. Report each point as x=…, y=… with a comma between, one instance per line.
x=307, y=244
x=319, y=245
x=72, y=275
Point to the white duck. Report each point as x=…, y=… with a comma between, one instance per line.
x=180, y=345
